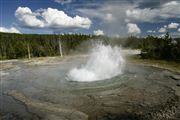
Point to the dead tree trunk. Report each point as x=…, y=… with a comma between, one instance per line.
x=29, y=52
x=60, y=48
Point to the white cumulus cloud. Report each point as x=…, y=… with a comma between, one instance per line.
x=138, y=14
x=50, y=18
x=98, y=32
x=162, y=30
x=28, y=18
x=111, y=15
x=173, y=25
x=133, y=28
x=57, y=19
x=165, y=11
x=178, y=29
x=9, y=30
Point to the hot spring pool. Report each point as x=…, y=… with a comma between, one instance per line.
x=45, y=92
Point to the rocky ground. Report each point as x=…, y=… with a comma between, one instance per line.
x=37, y=89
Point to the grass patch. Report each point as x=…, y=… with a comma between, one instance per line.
x=170, y=65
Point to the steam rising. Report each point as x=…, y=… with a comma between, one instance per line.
x=104, y=62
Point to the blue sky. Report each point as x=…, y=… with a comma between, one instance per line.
x=108, y=17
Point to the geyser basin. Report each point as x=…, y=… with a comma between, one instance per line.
x=104, y=62
x=42, y=92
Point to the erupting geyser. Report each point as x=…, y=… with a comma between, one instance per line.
x=104, y=62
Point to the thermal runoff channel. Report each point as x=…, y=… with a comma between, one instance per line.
x=104, y=62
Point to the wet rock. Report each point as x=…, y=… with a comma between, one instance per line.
x=126, y=116
x=175, y=77
x=11, y=116
x=54, y=111
x=13, y=109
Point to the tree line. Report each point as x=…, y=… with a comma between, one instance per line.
x=165, y=47
x=14, y=46
x=152, y=47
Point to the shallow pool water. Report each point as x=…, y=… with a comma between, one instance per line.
x=137, y=90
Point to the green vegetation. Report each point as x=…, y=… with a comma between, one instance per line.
x=133, y=42
x=152, y=47
x=164, y=48
x=14, y=46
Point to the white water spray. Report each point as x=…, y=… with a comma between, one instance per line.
x=104, y=62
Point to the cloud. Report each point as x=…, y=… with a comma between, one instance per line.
x=28, y=18
x=169, y=26
x=113, y=16
x=162, y=30
x=101, y=13
x=161, y=36
x=133, y=28
x=50, y=18
x=137, y=14
x=151, y=31
x=173, y=25
x=55, y=18
x=108, y=16
x=63, y=1
x=9, y=30
x=178, y=29
x=164, y=11
x=98, y=32
x=150, y=4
